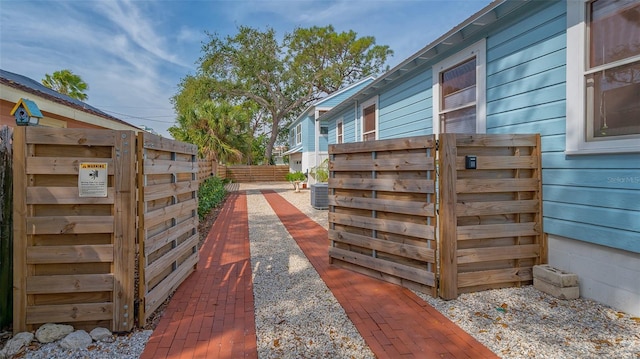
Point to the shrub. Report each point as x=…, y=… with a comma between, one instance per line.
x=210, y=195
x=296, y=176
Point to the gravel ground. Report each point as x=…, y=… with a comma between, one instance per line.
x=298, y=317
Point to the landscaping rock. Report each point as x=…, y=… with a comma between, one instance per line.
x=76, y=340
x=48, y=333
x=16, y=344
x=102, y=335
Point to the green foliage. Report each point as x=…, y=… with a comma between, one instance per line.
x=67, y=83
x=210, y=195
x=321, y=172
x=279, y=77
x=218, y=128
x=296, y=177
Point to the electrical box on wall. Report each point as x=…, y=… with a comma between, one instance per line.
x=470, y=162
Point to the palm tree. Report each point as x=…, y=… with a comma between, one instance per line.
x=67, y=83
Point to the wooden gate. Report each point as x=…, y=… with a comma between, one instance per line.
x=73, y=256
x=168, y=218
x=383, y=205
x=382, y=216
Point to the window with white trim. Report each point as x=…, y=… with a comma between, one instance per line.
x=459, y=92
x=340, y=132
x=369, y=119
x=298, y=134
x=603, y=76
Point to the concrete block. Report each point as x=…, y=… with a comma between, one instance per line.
x=555, y=276
x=558, y=292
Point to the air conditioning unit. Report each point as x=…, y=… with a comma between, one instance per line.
x=320, y=195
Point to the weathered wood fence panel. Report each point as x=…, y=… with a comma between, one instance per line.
x=168, y=216
x=206, y=168
x=382, y=216
x=491, y=217
x=6, y=232
x=257, y=173
x=74, y=257
x=382, y=212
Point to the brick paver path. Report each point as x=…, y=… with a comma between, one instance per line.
x=211, y=314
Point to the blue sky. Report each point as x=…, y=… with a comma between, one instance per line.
x=133, y=54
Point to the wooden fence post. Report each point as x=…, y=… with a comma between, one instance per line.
x=448, y=226
x=6, y=232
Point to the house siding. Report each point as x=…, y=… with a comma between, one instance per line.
x=589, y=198
x=406, y=110
x=591, y=203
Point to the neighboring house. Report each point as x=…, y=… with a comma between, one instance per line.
x=59, y=110
x=308, y=138
x=569, y=70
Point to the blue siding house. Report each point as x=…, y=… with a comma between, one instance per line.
x=569, y=70
x=309, y=138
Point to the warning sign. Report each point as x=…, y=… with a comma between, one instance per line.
x=92, y=180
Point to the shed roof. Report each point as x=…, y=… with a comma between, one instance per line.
x=34, y=87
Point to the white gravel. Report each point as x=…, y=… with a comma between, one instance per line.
x=298, y=317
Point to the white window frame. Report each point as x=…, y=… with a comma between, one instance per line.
x=479, y=51
x=576, y=116
x=338, y=135
x=368, y=103
x=298, y=134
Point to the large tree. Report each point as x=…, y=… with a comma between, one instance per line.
x=281, y=77
x=67, y=83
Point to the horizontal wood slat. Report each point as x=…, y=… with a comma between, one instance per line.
x=386, y=185
x=496, y=140
x=156, y=296
x=497, y=185
x=385, y=225
x=384, y=205
x=521, y=251
x=70, y=224
x=70, y=254
x=69, y=313
x=495, y=276
x=497, y=230
x=154, y=192
x=400, y=144
x=408, y=162
x=71, y=136
x=500, y=162
x=399, y=270
x=70, y=283
x=63, y=165
x=497, y=207
x=65, y=195
x=399, y=249
x=158, y=216
x=152, y=166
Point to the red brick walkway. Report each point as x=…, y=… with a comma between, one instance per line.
x=393, y=321
x=211, y=315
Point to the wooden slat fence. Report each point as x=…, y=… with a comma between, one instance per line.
x=206, y=168
x=382, y=212
x=257, y=173
x=168, y=216
x=74, y=257
x=490, y=217
x=382, y=218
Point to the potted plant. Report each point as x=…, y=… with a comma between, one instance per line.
x=295, y=178
x=320, y=189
